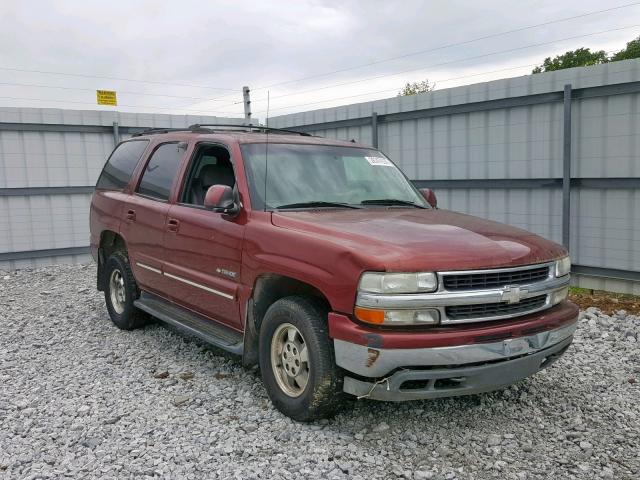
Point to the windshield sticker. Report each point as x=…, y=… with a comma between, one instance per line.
x=379, y=161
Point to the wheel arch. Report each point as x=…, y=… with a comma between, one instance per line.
x=110, y=242
x=267, y=289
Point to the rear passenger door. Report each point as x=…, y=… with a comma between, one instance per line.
x=145, y=216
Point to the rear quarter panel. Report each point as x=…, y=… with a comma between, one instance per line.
x=105, y=214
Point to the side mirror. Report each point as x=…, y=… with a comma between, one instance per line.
x=220, y=198
x=430, y=196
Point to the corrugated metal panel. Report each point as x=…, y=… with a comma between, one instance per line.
x=538, y=211
x=56, y=159
x=606, y=228
x=51, y=159
x=42, y=222
x=606, y=137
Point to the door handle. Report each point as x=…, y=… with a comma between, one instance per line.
x=173, y=225
x=131, y=215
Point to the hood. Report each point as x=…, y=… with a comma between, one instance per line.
x=399, y=239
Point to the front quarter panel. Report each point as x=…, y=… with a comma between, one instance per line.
x=327, y=266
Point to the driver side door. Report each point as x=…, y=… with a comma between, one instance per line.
x=205, y=247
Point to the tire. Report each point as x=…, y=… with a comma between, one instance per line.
x=120, y=302
x=321, y=395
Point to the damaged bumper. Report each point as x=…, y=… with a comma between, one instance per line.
x=392, y=367
x=412, y=384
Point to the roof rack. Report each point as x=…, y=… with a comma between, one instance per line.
x=153, y=131
x=201, y=126
x=213, y=127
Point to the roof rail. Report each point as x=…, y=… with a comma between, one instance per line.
x=212, y=127
x=152, y=131
x=203, y=126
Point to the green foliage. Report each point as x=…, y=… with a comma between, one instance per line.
x=584, y=57
x=416, y=87
x=632, y=51
x=581, y=57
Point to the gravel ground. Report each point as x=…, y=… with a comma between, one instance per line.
x=79, y=398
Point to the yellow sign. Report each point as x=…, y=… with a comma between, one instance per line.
x=106, y=97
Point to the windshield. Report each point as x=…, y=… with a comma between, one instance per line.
x=316, y=176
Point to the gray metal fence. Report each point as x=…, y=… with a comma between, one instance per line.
x=555, y=153
x=49, y=162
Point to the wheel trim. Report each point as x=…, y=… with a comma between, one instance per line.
x=117, y=291
x=290, y=360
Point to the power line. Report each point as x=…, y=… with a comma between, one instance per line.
x=441, y=47
x=396, y=89
x=120, y=92
x=436, y=82
x=445, y=63
x=11, y=69
x=120, y=105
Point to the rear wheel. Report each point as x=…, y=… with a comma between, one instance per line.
x=120, y=293
x=297, y=360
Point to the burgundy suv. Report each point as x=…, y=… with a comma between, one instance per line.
x=318, y=260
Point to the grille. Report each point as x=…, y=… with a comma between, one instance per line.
x=483, y=310
x=479, y=281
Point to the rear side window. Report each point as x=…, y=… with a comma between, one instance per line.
x=161, y=170
x=121, y=164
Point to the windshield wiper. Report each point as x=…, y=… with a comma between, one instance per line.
x=390, y=201
x=316, y=203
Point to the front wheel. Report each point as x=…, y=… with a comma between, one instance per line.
x=297, y=360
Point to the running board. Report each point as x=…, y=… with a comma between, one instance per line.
x=207, y=330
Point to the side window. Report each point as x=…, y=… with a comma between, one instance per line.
x=161, y=170
x=211, y=165
x=121, y=164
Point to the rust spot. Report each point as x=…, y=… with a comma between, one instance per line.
x=373, y=355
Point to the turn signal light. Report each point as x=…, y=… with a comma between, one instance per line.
x=370, y=316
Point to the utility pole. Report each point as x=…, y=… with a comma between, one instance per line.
x=247, y=105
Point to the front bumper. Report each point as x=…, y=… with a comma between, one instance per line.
x=397, y=365
x=377, y=362
x=407, y=384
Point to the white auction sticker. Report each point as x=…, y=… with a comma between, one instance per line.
x=379, y=161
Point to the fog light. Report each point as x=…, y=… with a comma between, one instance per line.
x=559, y=295
x=428, y=316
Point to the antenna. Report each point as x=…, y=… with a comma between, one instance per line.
x=266, y=155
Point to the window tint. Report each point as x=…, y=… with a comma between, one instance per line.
x=121, y=164
x=160, y=171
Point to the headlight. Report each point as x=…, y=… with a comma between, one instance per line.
x=374, y=282
x=427, y=316
x=563, y=266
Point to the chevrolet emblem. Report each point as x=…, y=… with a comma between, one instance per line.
x=513, y=294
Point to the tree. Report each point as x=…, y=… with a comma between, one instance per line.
x=411, y=88
x=581, y=57
x=632, y=51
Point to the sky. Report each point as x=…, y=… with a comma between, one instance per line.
x=194, y=57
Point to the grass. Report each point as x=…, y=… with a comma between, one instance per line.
x=608, y=302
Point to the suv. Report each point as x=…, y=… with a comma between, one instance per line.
x=319, y=261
